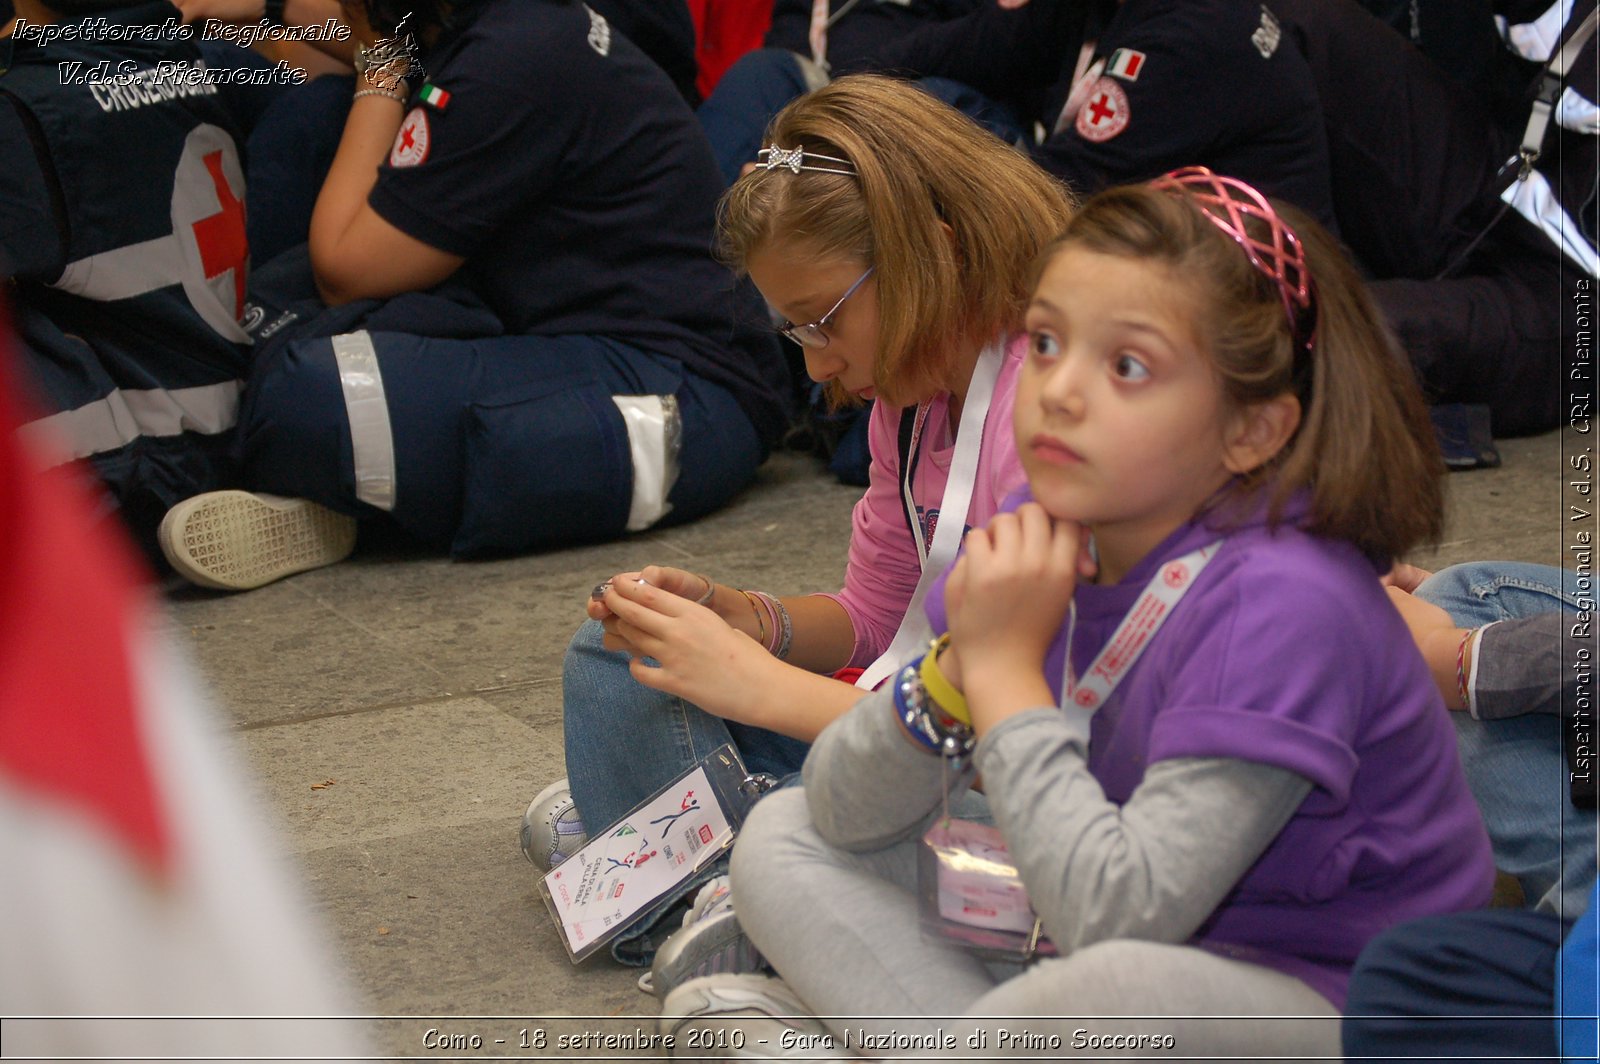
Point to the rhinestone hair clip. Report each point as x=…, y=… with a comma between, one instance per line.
x=795, y=159
x=1227, y=203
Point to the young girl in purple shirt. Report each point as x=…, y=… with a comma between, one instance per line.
x=1215, y=756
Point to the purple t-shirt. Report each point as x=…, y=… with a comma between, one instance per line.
x=1286, y=652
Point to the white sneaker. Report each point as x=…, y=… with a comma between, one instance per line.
x=238, y=540
x=738, y=1016
x=552, y=830
x=710, y=941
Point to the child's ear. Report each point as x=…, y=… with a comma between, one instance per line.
x=1259, y=432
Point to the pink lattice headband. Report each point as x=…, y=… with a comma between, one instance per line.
x=1228, y=202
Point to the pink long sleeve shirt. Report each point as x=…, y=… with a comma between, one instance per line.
x=883, y=568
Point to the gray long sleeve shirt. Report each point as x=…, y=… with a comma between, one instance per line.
x=1153, y=868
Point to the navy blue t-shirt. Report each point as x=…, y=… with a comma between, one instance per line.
x=1180, y=82
x=1208, y=82
x=576, y=182
x=30, y=234
x=664, y=31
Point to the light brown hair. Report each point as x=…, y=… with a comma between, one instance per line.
x=918, y=162
x=1364, y=450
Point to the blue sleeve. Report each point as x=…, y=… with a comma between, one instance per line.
x=455, y=174
x=1011, y=56
x=1200, y=93
x=1578, y=987
x=30, y=239
x=790, y=21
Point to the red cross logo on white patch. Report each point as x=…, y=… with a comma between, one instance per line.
x=1177, y=575
x=411, y=143
x=1086, y=698
x=1105, y=113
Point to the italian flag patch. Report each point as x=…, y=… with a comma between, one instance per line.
x=433, y=96
x=1125, y=63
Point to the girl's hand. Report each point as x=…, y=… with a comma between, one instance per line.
x=1405, y=577
x=678, y=582
x=1007, y=596
x=704, y=660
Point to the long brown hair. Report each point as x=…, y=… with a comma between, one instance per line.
x=1364, y=450
x=918, y=162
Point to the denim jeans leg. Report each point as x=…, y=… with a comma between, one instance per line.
x=1515, y=766
x=625, y=741
x=1479, y=593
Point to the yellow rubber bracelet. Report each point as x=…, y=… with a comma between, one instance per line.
x=941, y=690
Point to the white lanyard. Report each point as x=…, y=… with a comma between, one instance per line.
x=1148, y=614
x=954, y=507
x=1083, y=79
x=820, y=21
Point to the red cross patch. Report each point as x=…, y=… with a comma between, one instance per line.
x=411, y=143
x=1104, y=113
x=221, y=237
x=1086, y=698
x=1177, y=575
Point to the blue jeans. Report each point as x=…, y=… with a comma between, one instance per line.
x=1515, y=766
x=470, y=418
x=625, y=741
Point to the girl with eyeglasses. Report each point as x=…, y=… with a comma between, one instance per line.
x=894, y=236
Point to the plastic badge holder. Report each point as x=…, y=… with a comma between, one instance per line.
x=660, y=843
x=972, y=895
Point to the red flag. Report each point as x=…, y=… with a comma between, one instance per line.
x=70, y=587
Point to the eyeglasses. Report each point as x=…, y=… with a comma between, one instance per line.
x=813, y=333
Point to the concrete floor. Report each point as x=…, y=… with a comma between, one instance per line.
x=428, y=692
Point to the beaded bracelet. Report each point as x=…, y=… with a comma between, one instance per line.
x=925, y=722
x=388, y=94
